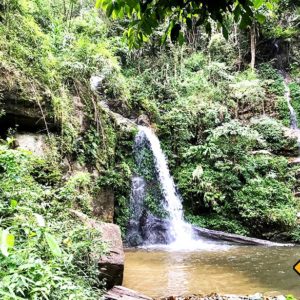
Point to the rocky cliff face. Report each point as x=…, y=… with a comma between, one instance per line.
x=25, y=103
x=28, y=114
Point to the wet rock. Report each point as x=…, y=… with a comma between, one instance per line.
x=111, y=265
x=33, y=142
x=95, y=82
x=256, y=296
x=120, y=292
x=143, y=120
x=104, y=204
x=155, y=230
x=148, y=229
x=124, y=124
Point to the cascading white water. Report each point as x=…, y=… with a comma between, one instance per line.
x=294, y=123
x=181, y=230
x=293, y=115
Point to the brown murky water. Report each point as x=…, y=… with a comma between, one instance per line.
x=233, y=270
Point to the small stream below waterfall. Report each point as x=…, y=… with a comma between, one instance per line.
x=236, y=270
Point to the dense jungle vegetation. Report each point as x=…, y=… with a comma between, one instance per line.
x=215, y=95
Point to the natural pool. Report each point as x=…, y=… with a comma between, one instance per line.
x=226, y=270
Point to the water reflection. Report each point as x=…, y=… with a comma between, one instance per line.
x=242, y=270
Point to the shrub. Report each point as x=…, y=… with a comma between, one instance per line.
x=217, y=222
x=272, y=131
x=47, y=254
x=265, y=203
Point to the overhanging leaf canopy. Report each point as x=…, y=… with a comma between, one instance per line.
x=146, y=15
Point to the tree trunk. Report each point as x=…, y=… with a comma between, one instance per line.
x=253, y=44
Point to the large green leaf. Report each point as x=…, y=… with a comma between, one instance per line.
x=53, y=245
x=7, y=240
x=258, y=3
x=261, y=18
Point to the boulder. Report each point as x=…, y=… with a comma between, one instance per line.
x=33, y=142
x=111, y=264
x=104, y=204
x=293, y=134
x=155, y=230
x=143, y=120
x=294, y=161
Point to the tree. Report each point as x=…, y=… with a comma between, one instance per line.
x=147, y=15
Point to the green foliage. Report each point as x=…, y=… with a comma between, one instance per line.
x=231, y=141
x=153, y=201
x=283, y=111
x=222, y=176
x=272, y=131
x=76, y=190
x=290, y=297
x=248, y=94
x=45, y=253
x=146, y=17
x=296, y=234
x=217, y=222
x=49, y=52
x=119, y=181
x=221, y=50
x=145, y=164
x=265, y=203
x=273, y=80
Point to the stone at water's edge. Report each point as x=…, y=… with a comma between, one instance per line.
x=120, y=292
x=111, y=265
x=104, y=205
x=234, y=238
x=214, y=296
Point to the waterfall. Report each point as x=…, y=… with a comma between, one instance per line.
x=134, y=236
x=145, y=228
x=179, y=231
x=293, y=116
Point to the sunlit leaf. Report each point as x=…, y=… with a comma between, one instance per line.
x=53, y=245
x=7, y=240
x=13, y=203
x=260, y=18
x=258, y=3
